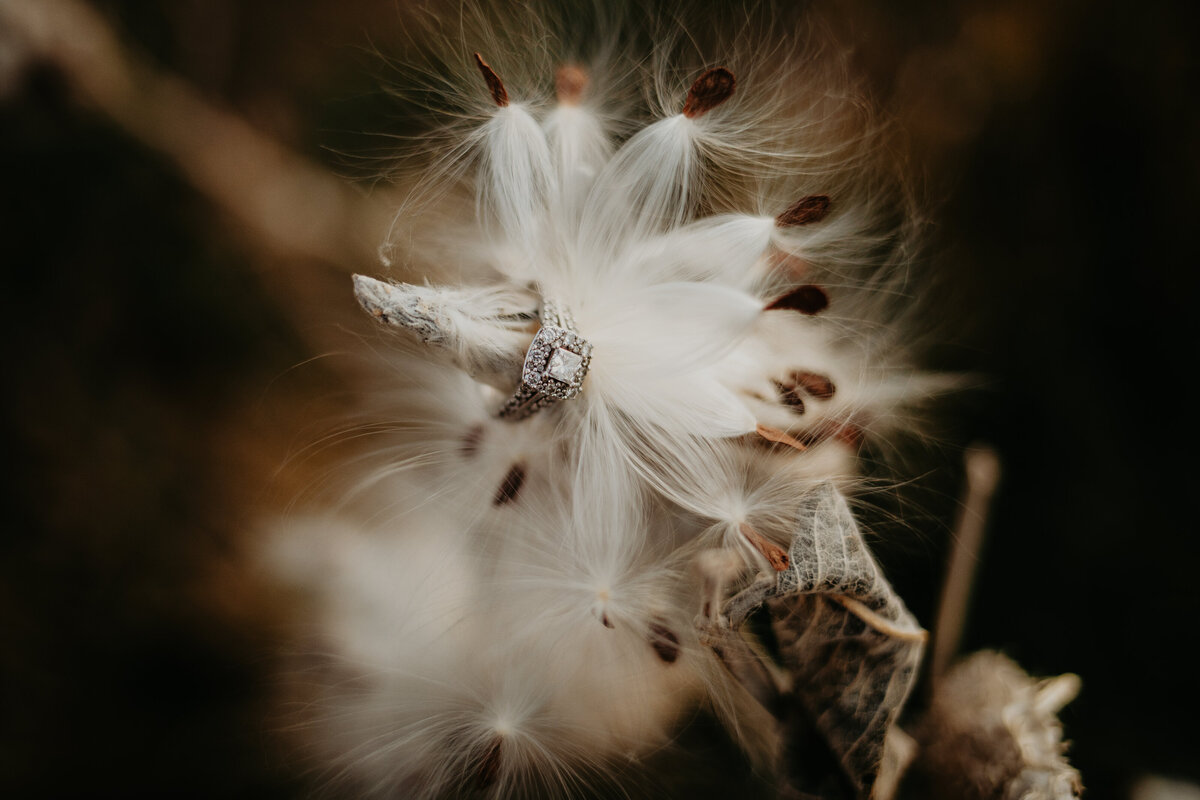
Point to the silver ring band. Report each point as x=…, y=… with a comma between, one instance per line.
x=555, y=365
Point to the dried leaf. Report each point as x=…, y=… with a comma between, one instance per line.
x=848, y=642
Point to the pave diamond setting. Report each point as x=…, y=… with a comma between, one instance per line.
x=557, y=362
x=555, y=365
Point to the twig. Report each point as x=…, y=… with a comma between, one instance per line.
x=982, y=476
x=286, y=202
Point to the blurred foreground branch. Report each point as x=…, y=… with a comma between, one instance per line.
x=288, y=204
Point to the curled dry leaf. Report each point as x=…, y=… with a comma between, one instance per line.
x=849, y=645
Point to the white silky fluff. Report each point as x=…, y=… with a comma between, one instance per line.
x=516, y=646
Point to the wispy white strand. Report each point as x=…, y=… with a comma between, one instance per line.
x=580, y=148
x=645, y=189
x=509, y=607
x=516, y=187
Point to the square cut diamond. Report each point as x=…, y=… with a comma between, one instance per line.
x=564, y=366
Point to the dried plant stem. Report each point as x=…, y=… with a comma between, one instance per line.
x=982, y=476
x=884, y=626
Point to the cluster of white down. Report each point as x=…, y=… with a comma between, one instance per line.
x=508, y=606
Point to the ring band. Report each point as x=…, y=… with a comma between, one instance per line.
x=555, y=365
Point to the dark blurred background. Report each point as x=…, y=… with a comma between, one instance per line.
x=152, y=386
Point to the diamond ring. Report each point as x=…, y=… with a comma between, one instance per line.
x=555, y=365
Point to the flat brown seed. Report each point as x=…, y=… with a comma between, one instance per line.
x=470, y=442
x=494, y=84
x=850, y=435
x=779, y=437
x=776, y=556
x=709, y=91
x=804, y=211
x=808, y=299
x=570, y=82
x=794, y=266
x=790, y=397
x=664, y=642
x=818, y=386
x=511, y=484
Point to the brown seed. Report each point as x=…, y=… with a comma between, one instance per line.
x=819, y=386
x=790, y=397
x=779, y=437
x=470, y=442
x=794, y=266
x=570, y=82
x=813, y=208
x=775, y=555
x=850, y=435
x=494, y=84
x=807, y=299
x=489, y=765
x=709, y=91
x=510, y=485
x=664, y=642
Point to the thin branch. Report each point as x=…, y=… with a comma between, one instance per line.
x=982, y=475
x=287, y=203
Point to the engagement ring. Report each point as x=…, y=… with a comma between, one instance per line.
x=555, y=365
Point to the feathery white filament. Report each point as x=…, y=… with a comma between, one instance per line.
x=509, y=605
x=517, y=177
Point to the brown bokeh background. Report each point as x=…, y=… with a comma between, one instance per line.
x=157, y=373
